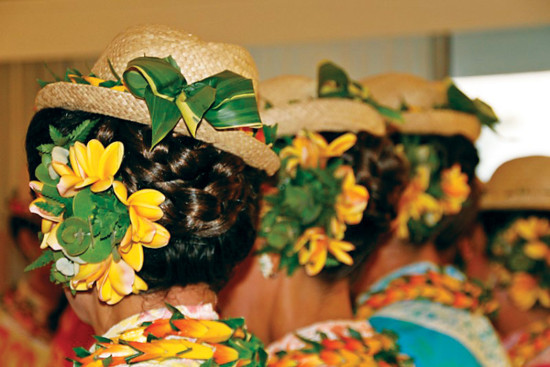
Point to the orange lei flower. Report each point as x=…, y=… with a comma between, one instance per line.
x=532, y=342
x=376, y=350
x=434, y=287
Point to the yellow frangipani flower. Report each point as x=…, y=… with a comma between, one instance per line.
x=454, y=184
x=113, y=279
x=90, y=164
x=352, y=201
x=314, y=256
x=532, y=228
x=525, y=291
x=143, y=206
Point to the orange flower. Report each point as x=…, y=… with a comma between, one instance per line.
x=91, y=164
x=314, y=256
x=525, y=292
x=454, y=184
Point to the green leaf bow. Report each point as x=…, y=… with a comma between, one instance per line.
x=226, y=99
x=335, y=83
x=459, y=101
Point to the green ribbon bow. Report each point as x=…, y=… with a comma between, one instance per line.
x=335, y=83
x=459, y=101
x=226, y=100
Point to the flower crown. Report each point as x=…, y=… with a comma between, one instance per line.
x=521, y=254
x=305, y=216
x=430, y=195
x=93, y=233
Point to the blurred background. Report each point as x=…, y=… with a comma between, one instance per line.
x=497, y=50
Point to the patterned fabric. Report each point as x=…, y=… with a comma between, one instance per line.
x=434, y=334
x=337, y=343
x=175, y=336
x=531, y=346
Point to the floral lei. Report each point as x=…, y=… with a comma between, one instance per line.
x=434, y=286
x=521, y=256
x=531, y=343
x=304, y=218
x=430, y=195
x=379, y=349
x=210, y=342
x=93, y=233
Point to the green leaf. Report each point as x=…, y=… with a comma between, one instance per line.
x=234, y=323
x=98, y=251
x=56, y=136
x=164, y=116
x=41, y=172
x=107, y=361
x=81, y=132
x=270, y=133
x=235, y=104
x=332, y=81
x=113, y=71
x=102, y=339
x=43, y=260
x=83, y=204
x=355, y=334
x=51, y=207
x=459, y=101
x=45, y=148
x=155, y=73
x=280, y=235
x=193, y=102
x=74, y=236
x=81, y=352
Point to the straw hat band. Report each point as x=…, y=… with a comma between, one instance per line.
x=519, y=199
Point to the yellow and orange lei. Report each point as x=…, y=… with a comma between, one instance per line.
x=434, y=286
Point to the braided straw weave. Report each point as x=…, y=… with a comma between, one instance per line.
x=197, y=60
x=519, y=184
x=394, y=89
x=295, y=106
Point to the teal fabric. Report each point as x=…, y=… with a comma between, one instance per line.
x=435, y=334
x=427, y=347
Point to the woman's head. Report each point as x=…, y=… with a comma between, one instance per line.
x=211, y=196
x=441, y=204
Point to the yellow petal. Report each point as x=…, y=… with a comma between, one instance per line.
x=73, y=158
x=340, y=145
x=161, y=238
x=111, y=159
x=317, y=139
x=36, y=186
x=318, y=257
x=143, y=229
x=146, y=197
x=67, y=185
x=121, y=192
x=340, y=251
x=139, y=285
x=121, y=276
x=134, y=257
x=217, y=331
x=536, y=250
x=90, y=272
x=102, y=184
x=62, y=169
x=95, y=152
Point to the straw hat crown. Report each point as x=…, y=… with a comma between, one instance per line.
x=421, y=96
x=291, y=101
x=197, y=60
x=519, y=184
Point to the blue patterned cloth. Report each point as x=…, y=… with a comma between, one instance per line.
x=434, y=334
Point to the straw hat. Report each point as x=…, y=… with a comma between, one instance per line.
x=394, y=89
x=196, y=58
x=291, y=102
x=519, y=184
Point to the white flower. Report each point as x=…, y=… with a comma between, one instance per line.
x=266, y=266
x=60, y=155
x=67, y=267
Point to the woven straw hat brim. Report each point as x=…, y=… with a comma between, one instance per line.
x=327, y=114
x=394, y=89
x=440, y=122
x=125, y=106
x=197, y=60
x=295, y=106
x=519, y=184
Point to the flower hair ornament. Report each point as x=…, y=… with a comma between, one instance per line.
x=305, y=216
x=521, y=256
x=431, y=194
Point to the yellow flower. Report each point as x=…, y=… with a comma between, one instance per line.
x=143, y=206
x=49, y=221
x=454, y=184
x=314, y=256
x=113, y=279
x=352, y=201
x=532, y=228
x=91, y=164
x=525, y=292
x=311, y=150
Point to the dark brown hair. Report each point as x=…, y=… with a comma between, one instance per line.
x=385, y=175
x=212, y=196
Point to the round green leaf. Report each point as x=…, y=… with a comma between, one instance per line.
x=74, y=236
x=83, y=204
x=98, y=251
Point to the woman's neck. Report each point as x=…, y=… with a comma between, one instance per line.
x=303, y=300
x=393, y=255
x=103, y=316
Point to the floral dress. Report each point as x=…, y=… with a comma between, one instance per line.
x=440, y=317
x=337, y=343
x=175, y=336
x=530, y=347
